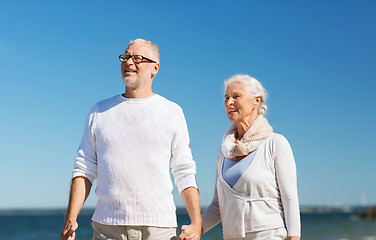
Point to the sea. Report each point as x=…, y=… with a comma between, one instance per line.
x=47, y=224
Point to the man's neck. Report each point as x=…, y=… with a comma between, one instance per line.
x=138, y=93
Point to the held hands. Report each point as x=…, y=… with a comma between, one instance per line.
x=190, y=232
x=69, y=229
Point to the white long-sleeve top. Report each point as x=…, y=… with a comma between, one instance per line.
x=129, y=146
x=265, y=196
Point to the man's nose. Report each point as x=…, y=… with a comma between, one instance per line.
x=128, y=61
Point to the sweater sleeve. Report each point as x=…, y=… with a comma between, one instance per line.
x=182, y=165
x=86, y=161
x=211, y=217
x=287, y=182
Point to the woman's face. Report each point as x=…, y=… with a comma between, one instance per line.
x=239, y=105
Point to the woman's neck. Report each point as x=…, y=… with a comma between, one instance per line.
x=243, y=126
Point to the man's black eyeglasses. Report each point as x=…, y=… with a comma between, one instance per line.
x=135, y=58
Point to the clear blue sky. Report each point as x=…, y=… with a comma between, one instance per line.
x=315, y=58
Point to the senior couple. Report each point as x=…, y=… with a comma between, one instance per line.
x=133, y=140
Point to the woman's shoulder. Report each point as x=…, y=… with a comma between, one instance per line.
x=220, y=155
x=277, y=137
x=276, y=140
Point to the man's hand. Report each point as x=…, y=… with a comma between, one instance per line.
x=190, y=232
x=80, y=189
x=69, y=230
x=191, y=199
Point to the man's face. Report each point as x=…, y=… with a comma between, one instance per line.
x=135, y=75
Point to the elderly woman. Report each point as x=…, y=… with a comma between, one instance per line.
x=256, y=187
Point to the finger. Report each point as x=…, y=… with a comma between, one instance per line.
x=66, y=229
x=64, y=233
x=193, y=237
x=184, y=227
x=72, y=236
x=189, y=236
x=182, y=236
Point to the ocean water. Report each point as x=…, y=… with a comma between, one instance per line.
x=47, y=224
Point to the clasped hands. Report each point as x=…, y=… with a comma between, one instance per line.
x=190, y=232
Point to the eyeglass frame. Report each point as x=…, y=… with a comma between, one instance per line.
x=132, y=56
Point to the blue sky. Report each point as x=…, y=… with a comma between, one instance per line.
x=316, y=59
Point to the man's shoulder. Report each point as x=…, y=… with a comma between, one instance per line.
x=106, y=104
x=110, y=100
x=169, y=103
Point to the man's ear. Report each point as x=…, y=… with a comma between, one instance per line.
x=155, y=70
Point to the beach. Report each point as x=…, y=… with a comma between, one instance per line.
x=316, y=225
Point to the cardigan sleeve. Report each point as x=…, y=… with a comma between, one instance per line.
x=86, y=161
x=182, y=165
x=287, y=182
x=211, y=217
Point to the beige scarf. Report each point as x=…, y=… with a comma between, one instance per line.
x=251, y=140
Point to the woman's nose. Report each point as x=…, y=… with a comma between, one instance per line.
x=229, y=102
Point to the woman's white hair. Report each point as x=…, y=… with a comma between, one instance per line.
x=153, y=47
x=252, y=87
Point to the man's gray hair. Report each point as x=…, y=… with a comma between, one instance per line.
x=252, y=87
x=153, y=47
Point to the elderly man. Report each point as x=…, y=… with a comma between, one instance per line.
x=130, y=143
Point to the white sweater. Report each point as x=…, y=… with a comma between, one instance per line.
x=265, y=197
x=129, y=146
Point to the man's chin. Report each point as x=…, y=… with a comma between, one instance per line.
x=129, y=82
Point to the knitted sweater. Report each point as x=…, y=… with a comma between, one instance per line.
x=129, y=146
x=265, y=197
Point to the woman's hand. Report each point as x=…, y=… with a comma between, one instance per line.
x=293, y=238
x=190, y=232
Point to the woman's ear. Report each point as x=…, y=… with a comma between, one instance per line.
x=257, y=101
